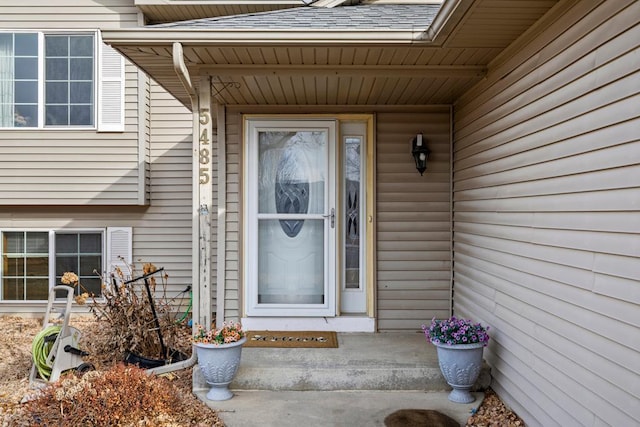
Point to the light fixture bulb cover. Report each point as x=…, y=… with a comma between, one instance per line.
x=420, y=153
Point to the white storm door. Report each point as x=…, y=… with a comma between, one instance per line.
x=290, y=234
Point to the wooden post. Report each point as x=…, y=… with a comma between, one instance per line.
x=205, y=198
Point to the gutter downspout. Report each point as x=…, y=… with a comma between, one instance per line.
x=183, y=74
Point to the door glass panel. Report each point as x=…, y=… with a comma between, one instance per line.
x=352, y=160
x=292, y=168
x=290, y=269
x=354, y=180
x=292, y=172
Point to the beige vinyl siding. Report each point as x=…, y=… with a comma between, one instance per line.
x=172, y=11
x=233, y=238
x=215, y=243
x=67, y=14
x=413, y=230
x=546, y=217
x=164, y=237
x=144, y=137
x=162, y=230
x=72, y=167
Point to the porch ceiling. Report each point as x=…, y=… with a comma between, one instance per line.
x=262, y=66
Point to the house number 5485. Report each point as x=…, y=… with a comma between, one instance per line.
x=204, y=153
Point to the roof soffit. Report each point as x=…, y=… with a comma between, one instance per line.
x=383, y=61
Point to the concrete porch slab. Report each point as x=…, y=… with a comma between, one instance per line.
x=363, y=361
x=369, y=376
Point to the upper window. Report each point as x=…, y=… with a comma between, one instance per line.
x=47, y=80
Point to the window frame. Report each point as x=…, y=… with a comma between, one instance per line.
x=52, y=280
x=41, y=79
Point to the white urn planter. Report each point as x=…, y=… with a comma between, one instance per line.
x=219, y=364
x=460, y=364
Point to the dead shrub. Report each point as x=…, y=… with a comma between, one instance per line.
x=121, y=396
x=127, y=322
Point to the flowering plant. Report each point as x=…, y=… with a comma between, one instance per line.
x=230, y=332
x=70, y=278
x=456, y=331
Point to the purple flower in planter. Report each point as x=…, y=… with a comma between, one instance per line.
x=455, y=331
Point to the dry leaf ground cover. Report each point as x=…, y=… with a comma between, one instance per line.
x=173, y=404
x=114, y=394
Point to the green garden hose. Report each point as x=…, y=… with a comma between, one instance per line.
x=41, y=348
x=186, y=313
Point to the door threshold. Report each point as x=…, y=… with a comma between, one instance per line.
x=337, y=324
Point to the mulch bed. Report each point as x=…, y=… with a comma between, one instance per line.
x=15, y=365
x=494, y=413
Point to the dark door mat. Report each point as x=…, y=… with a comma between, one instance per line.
x=419, y=418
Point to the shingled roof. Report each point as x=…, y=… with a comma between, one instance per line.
x=374, y=17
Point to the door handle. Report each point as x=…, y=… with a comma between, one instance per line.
x=332, y=215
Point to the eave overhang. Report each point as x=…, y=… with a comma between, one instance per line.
x=412, y=65
x=201, y=37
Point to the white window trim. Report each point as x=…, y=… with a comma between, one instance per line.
x=97, y=95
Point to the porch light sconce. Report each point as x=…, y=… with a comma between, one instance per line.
x=420, y=153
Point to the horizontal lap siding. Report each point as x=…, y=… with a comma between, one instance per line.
x=412, y=221
x=233, y=235
x=164, y=235
x=546, y=218
x=67, y=14
x=162, y=230
x=72, y=167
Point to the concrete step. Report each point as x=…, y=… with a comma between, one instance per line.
x=381, y=361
